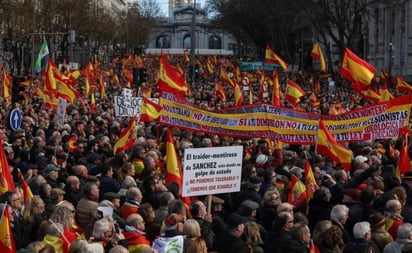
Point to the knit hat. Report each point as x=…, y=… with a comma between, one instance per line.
x=254, y=181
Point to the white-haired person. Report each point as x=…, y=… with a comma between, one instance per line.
x=106, y=232
x=404, y=237
x=362, y=239
x=339, y=215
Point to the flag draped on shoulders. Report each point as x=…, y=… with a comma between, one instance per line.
x=272, y=57
x=356, y=70
x=149, y=111
x=327, y=145
x=316, y=53
x=173, y=168
x=6, y=235
x=293, y=92
x=126, y=138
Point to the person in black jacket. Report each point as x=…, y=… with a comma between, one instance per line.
x=199, y=213
x=362, y=241
x=279, y=236
x=73, y=192
x=230, y=241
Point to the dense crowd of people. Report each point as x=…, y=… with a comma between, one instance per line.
x=86, y=199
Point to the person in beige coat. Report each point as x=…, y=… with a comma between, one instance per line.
x=86, y=210
x=379, y=235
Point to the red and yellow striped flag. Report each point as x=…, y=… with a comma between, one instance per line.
x=356, y=70
x=27, y=193
x=6, y=84
x=6, y=235
x=149, y=111
x=272, y=57
x=173, y=168
x=6, y=179
x=127, y=137
x=293, y=92
x=316, y=53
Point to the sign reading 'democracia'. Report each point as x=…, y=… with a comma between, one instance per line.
x=127, y=105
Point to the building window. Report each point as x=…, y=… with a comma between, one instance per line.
x=163, y=41
x=186, y=42
x=215, y=42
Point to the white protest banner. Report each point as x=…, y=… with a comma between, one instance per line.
x=212, y=170
x=61, y=111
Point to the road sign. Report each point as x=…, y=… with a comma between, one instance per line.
x=15, y=119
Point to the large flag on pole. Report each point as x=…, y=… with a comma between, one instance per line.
x=27, y=193
x=170, y=80
x=6, y=235
x=173, y=169
x=272, y=57
x=403, y=164
x=356, y=70
x=44, y=51
x=276, y=89
x=316, y=53
x=149, y=111
x=327, y=145
x=293, y=92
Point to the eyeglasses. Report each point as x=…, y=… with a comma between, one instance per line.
x=15, y=199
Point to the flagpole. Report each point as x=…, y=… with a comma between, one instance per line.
x=316, y=138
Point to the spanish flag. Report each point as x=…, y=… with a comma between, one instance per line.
x=276, y=89
x=66, y=91
x=87, y=83
x=272, y=57
x=297, y=194
x=27, y=193
x=209, y=66
x=238, y=94
x=293, y=92
x=127, y=137
x=314, y=100
x=72, y=143
x=371, y=94
x=316, y=53
x=149, y=111
x=173, y=168
x=6, y=235
x=403, y=164
x=226, y=78
x=51, y=69
x=402, y=85
x=310, y=182
x=6, y=179
x=6, y=84
x=101, y=85
x=170, y=80
x=92, y=103
x=356, y=70
x=220, y=91
x=147, y=93
x=327, y=145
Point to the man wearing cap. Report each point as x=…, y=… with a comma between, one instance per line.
x=218, y=222
x=251, y=192
x=51, y=173
x=172, y=240
x=230, y=240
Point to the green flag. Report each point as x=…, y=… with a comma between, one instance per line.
x=44, y=51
